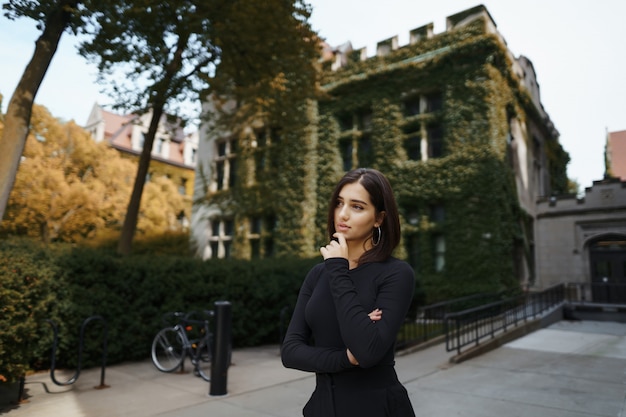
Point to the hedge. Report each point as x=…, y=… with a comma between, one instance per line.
x=68, y=285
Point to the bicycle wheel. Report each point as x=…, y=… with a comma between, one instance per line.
x=168, y=350
x=201, y=360
x=206, y=353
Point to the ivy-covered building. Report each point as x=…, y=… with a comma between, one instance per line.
x=453, y=119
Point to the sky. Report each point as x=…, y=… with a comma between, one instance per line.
x=576, y=47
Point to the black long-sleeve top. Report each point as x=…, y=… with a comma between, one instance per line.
x=331, y=314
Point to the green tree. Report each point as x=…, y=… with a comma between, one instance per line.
x=169, y=53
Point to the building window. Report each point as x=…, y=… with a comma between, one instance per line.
x=219, y=172
x=437, y=213
x=255, y=226
x=345, y=122
x=364, y=120
x=355, y=145
x=424, y=136
x=345, y=149
x=434, y=102
x=275, y=134
x=214, y=245
x=412, y=106
x=232, y=172
x=365, y=153
x=260, y=146
x=260, y=236
x=221, y=148
x=435, y=141
x=215, y=228
x=160, y=146
x=424, y=103
x=228, y=227
x=254, y=235
x=439, y=246
x=260, y=138
x=413, y=146
x=221, y=237
x=225, y=175
x=182, y=189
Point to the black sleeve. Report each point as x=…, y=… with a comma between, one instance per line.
x=370, y=341
x=296, y=352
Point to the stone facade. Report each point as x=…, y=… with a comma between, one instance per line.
x=567, y=228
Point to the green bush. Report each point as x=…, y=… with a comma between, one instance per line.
x=132, y=294
x=28, y=290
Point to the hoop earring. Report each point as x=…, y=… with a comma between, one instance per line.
x=380, y=234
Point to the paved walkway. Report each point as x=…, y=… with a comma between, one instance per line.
x=569, y=369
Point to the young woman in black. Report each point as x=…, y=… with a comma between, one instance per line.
x=352, y=305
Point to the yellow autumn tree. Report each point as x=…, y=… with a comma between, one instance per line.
x=69, y=188
x=161, y=207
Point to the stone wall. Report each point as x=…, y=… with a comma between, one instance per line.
x=566, y=225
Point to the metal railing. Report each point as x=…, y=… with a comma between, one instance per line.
x=470, y=326
x=468, y=320
x=429, y=321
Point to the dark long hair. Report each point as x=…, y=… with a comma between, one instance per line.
x=381, y=194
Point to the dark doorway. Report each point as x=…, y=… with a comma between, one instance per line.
x=607, y=256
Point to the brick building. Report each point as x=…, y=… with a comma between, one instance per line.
x=616, y=154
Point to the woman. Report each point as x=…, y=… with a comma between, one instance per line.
x=351, y=306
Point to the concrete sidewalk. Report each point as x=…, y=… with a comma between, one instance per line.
x=569, y=369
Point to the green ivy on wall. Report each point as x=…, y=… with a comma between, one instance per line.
x=473, y=181
x=465, y=197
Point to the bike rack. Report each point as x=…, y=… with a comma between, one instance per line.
x=81, y=344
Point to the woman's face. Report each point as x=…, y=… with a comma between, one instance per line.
x=355, y=215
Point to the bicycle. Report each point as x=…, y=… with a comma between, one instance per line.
x=173, y=345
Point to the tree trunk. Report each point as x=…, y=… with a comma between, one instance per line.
x=17, y=118
x=125, y=243
x=124, y=246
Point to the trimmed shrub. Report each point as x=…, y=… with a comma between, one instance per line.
x=28, y=296
x=132, y=294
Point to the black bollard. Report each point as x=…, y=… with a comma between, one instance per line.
x=221, y=356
